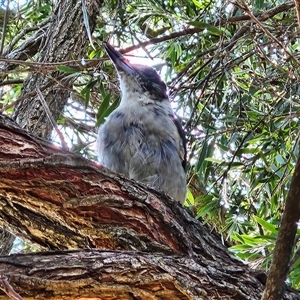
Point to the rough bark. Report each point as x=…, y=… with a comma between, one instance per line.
x=6, y=241
x=62, y=201
x=27, y=49
x=61, y=37
x=65, y=38
x=67, y=202
x=285, y=240
x=126, y=275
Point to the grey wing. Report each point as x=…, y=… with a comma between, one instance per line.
x=181, y=133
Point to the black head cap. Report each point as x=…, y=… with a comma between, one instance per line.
x=146, y=77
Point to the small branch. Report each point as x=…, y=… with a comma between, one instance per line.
x=52, y=121
x=19, y=36
x=164, y=38
x=297, y=5
x=261, y=16
x=285, y=241
x=31, y=94
x=5, y=21
x=53, y=66
x=12, y=81
x=8, y=289
x=247, y=10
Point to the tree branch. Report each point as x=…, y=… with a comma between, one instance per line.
x=122, y=275
x=297, y=5
x=60, y=200
x=285, y=240
x=44, y=187
x=261, y=17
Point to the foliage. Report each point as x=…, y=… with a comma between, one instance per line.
x=233, y=74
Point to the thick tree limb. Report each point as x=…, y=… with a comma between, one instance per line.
x=95, y=274
x=60, y=200
x=61, y=39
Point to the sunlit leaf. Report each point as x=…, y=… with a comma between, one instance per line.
x=266, y=225
x=205, y=26
x=67, y=69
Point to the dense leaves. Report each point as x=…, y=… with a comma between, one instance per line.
x=233, y=74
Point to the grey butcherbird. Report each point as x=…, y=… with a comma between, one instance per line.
x=142, y=138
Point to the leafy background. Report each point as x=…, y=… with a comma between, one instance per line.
x=232, y=68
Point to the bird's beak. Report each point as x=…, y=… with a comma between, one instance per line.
x=118, y=59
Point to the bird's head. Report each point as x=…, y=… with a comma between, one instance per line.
x=135, y=78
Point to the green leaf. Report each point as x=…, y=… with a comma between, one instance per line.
x=86, y=91
x=67, y=69
x=280, y=159
x=199, y=4
x=215, y=160
x=211, y=29
x=266, y=225
x=190, y=197
x=102, y=115
x=238, y=237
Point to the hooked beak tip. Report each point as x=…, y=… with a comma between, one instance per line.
x=118, y=59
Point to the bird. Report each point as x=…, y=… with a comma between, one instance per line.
x=142, y=138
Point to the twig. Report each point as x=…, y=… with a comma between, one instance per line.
x=50, y=117
x=31, y=94
x=19, y=36
x=247, y=10
x=53, y=66
x=297, y=5
x=12, y=81
x=8, y=289
x=5, y=20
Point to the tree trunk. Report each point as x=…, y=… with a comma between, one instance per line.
x=66, y=37
x=61, y=201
